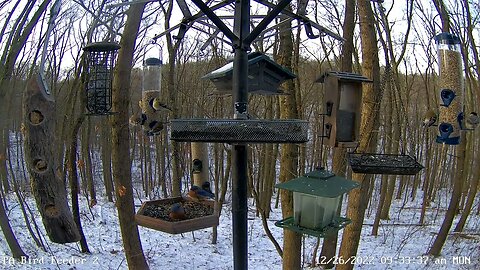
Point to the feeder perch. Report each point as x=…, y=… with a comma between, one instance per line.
x=369, y=163
x=99, y=64
x=451, y=89
x=264, y=76
x=155, y=215
x=316, y=198
x=239, y=131
x=343, y=102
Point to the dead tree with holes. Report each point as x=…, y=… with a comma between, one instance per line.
x=48, y=190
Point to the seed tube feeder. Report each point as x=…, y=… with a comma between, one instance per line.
x=451, y=89
x=316, y=198
x=99, y=64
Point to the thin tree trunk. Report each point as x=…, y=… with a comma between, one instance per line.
x=12, y=241
x=121, y=162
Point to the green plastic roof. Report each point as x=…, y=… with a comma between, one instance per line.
x=320, y=183
x=253, y=58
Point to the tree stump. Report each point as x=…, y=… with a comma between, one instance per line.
x=48, y=190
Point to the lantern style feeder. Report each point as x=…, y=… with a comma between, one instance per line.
x=343, y=101
x=316, y=198
x=99, y=64
x=451, y=89
x=264, y=76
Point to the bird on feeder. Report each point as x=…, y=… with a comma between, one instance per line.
x=177, y=212
x=206, y=188
x=155, y=128
x=198, y=194
x=157, y=105
x=430, y=118
x=472, y=121
x=138, y=119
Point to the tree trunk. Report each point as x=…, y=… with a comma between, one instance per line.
x=12, y=242
x=107, y=161
x=371, y=98
x=48, y=190
x=121, y=162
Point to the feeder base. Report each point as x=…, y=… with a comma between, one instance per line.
x=337, y=224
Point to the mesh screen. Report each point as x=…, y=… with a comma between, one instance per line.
x=244, y=131
x=384, y=164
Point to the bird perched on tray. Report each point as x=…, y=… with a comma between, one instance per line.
x=430, y=118
x=157, y=105
x=177, y=212
x=472, y=121
x=206, y=188
x=198, y=194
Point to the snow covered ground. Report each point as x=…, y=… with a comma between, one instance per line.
x=396, y=247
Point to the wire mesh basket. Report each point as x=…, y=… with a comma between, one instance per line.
x=239, y=131
x=384, y=164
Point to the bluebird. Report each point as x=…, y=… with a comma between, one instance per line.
x=430, y=118
x=177, y=212
x=157, y=105
x=206, y=188
x=138, y=119
x=472, y=121
x=198, y=194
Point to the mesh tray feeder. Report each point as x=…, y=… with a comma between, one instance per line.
x=384, y=164
x=239, y=131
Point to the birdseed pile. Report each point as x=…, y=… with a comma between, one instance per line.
x=192, y=210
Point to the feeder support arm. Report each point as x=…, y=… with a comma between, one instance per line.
x=216, y=20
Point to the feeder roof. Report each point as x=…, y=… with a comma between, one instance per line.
x=253, y=58
x=446, y=38
x=101, y=47
x=320, y=183
x=152, y=61
x=343, y=76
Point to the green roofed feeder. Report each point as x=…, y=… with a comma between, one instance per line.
x=264, y=76
x=316, y=198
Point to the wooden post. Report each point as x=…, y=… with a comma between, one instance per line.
x=47, y=188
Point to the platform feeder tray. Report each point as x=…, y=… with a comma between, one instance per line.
x=239, y=131
x=392, y=164
x=154, y=215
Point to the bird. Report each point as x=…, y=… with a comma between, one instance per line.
x=461, y=120
x=206, y=188
x=155, y=128
x=177, y=212
x=138, y=119
x=198, y=194
x=157, y=105
x=472, y=121
x=430, y=118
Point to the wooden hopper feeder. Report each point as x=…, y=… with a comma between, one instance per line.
x=154, y=215
x=384, y=164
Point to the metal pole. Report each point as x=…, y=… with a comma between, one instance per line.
x=241, y=29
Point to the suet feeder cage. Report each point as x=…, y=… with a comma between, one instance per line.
x=392, y=164
x=343, y=102
x=239, y=131
x=316, y=199
x=197, y=165
x=264, y=76
x=451, y=89
x=99, y=63
x=155, y=215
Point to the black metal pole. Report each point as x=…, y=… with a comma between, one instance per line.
x=241, y=29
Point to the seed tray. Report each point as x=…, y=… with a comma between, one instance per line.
x=369, y=163
x=199, y=215
x=239, y=131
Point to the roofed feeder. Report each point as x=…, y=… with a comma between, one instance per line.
x=99, y=64
x=316, y=198
x=264, y=76
x=343, y=101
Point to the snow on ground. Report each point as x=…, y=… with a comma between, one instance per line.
x=396, y=246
